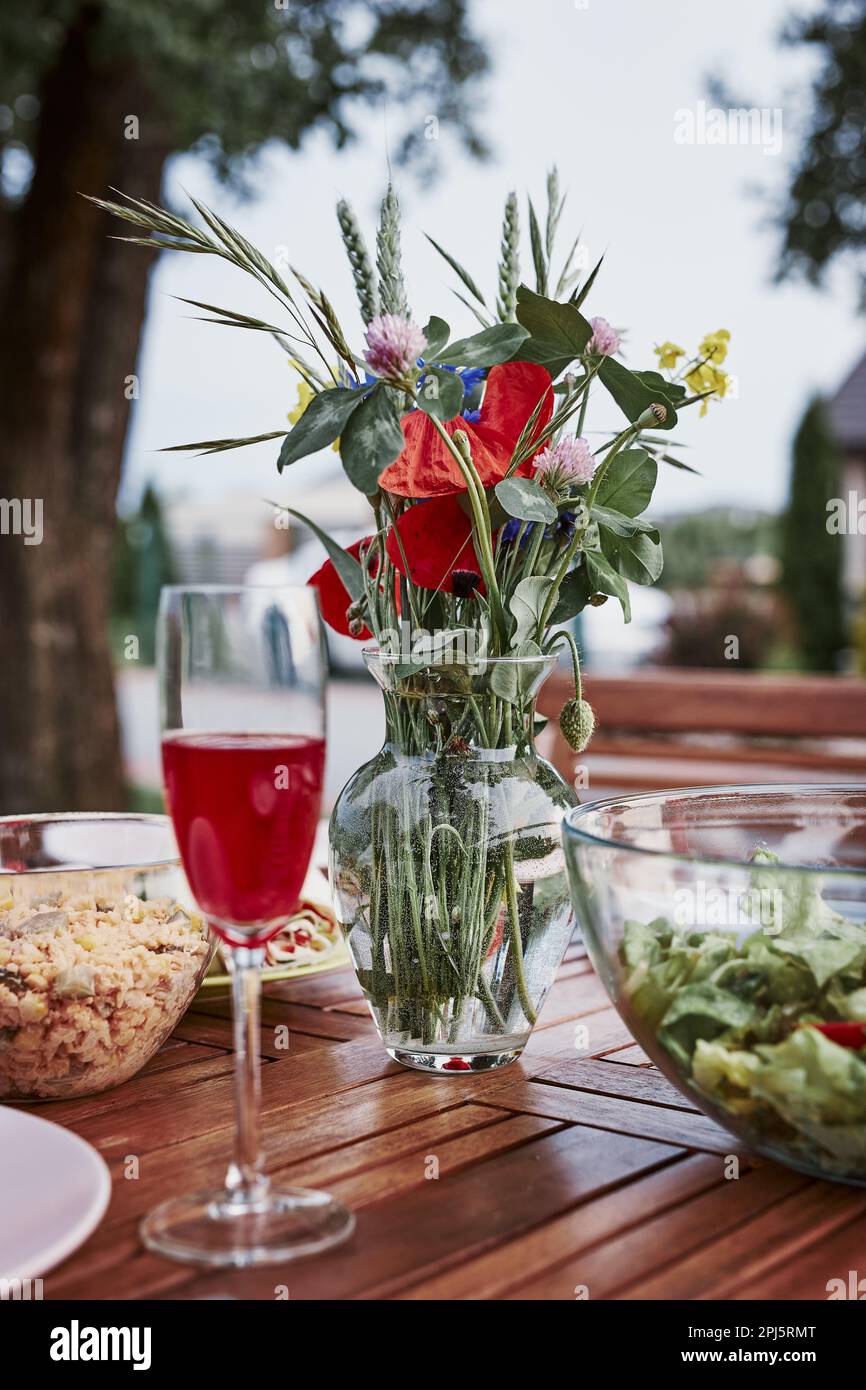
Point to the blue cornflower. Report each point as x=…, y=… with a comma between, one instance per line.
x=472, y=378
x=512, y=529
x=563, y=526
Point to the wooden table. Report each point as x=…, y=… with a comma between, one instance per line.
x=578, y=1171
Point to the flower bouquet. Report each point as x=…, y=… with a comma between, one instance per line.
x=494, y=522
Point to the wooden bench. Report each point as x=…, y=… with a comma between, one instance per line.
x=671, y=727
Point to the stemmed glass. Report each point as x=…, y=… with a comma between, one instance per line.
x=241, y=673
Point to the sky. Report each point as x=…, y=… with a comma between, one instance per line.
x=598, y=87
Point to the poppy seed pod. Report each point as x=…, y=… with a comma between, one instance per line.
x=655, y=414
x=577, y=723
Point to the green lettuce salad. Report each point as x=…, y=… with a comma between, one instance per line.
x=737, y=1014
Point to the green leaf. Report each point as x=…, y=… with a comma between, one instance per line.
x=346, y=565
x=670, y=390
x=441, y=393
x=619, y=523
x=574, y=594
x=458, y=270
x=678, y=463
x=537, y=251
x=371, y=440
x=228, y=317
x=437, y=333
x=639, y=558
x=322, y=422
x=485, y=349
x=628, y=484
x=527, y=603
x=523, y=498
x=483, y=319
x=451, y=648
x=217, y=446
x=513, y=680
x=583, y=290
x=632, y=395
x=558, y=333
x=604, y=579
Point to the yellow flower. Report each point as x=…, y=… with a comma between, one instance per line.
x=305, y=395
x=707, y=378
x=715, y=346
x=669, y=354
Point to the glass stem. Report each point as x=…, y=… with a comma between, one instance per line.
x=245, y=1180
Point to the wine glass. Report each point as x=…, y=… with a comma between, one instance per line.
x=241, y=674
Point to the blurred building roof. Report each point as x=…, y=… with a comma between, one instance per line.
x=848, y=409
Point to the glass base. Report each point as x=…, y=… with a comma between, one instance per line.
x=453, y=1064
x=215, y=1228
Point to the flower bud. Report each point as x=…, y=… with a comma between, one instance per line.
x=461, y=439
x=577, y=723
x=655, y=414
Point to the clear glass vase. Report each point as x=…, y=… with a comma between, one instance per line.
x=447, y=865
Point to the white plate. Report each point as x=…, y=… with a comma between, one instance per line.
x=54, y=1189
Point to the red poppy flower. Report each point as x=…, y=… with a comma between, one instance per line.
x=334, y=597
x=436, y=537
x=426, y=469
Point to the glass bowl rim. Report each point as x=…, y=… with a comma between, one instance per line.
x=70, y=817
x=586, y=837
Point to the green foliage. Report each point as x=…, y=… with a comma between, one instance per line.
x=459, y=270
x=223, y=77
x=544, y=547
x=558, y=332
x=499, y=343
x=822, y=217
x=633, y=395
x=346, y=565
x=638, y=558
x=509, y=261
x=441, y=393
x=370, y=441
x=437, y=333
x=811, y=556
x=605, y=579
x=392, y=290
x=696, y=543
x=359, y=260
x=322, y=422
x=143, y=563
x=525, y=499
x=628, y=484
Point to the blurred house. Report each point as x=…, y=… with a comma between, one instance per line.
x=847, y=411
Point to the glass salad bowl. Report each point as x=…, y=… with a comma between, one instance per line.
x=728, y=925
x=101, y=950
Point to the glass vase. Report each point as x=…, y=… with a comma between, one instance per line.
x=447, y=866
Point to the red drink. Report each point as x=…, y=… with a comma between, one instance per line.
x=245, y=809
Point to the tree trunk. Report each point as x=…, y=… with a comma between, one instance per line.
x=72, y=314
